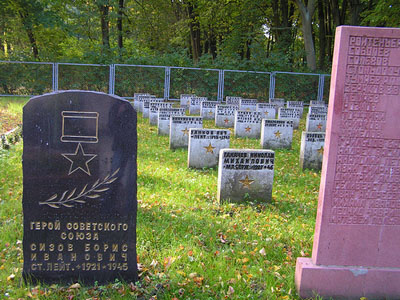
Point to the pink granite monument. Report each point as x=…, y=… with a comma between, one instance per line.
x=356, y=250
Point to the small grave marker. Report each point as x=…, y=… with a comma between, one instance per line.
x=316, y=123
x=231, y=100
x=268, y=111
x=179, y=130
x=194, y=106
x=276, y=134
x=248, y=104
x=164, y=118
x=207, y=109
x=225, y=115
x=204, y=146
x=146, y=105
x=312, y=150
x=153, y=111
x=290, y=114
x=247, y=124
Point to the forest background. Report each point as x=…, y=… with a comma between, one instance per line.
x=261, y=35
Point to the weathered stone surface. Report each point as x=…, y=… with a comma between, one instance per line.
x=248, y=104
x=268, y=111
x=247, y=124
x=179, y=130
x=136, y=103
x=318, y=110
x=296, y=104
x=278, y=102
x=276, y=134
x=225, y=115
x=312, y=150
x=185, y=100
x=290, y=114
x=207, y=109
x=245, y=175
x=79, y=193
x=194, y=106
x=231, y=100
x=153, y=111
x=316, y=103
x=357, y=232
x=316, y=123
x=164, y=118
x=146, y=105
x=204, y=146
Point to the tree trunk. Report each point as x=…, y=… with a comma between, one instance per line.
x=322, y=35
x=356, y=9
x=194, y=27
x=29, y=31
x=119, y=24
x=306, y=20
x=105, y=26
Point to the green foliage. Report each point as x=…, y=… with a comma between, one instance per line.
x=189, y=246
x=384, y=13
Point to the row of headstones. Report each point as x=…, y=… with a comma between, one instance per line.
x=210, y=147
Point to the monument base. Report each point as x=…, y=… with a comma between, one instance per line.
x=346, y=282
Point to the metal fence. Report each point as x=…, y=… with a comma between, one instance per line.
x=19, y=78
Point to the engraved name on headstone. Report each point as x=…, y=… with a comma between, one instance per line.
x=225, y=115
x=248, y=104
x=290, y=114
x=179, y=130
x=276, y=134
x=146, y=105
x=296, y=104
x=79, y=191
x=312, y=150
x=317, y=103
x=357, y=233
x=137, y=100
x=207, y=109
x=194, y=105
x=268, y=111
x=278, y=102
x=247, y=124
x=232, y=100
x=185, y=100
x=204, y=147
x=245, y=174
x=318, y=110
x=316, y=123
x=153, y=111
x=164, y=118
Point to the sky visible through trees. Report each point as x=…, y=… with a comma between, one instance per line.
x=281, y=35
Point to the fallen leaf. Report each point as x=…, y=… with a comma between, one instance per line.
x=192, y=275
x=11, y=277
x=230, y=291
x=75, y=286
x=262, y=252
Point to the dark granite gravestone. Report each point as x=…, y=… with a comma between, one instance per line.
x=79, y=197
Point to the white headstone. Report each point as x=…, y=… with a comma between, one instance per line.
x=317, y=103
x=296, y=104
x=231, y=100
x=225, y=115
x=204, y=146
x=268, y=111
x=316, y=123
x=185, y=100
x=146, y=105
x=153, y=111
x=278, y=102
x=318, y=110
x=290, y=114
x=247, y=124
x=276, y=134
x=207, y=109
x=179, y=130
x=312, y=150
x=164, y=117
x=248, y=104
x=245, y=174
x=194, y=106
x=136, y=100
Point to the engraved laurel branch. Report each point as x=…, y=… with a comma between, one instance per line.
x=68, y=199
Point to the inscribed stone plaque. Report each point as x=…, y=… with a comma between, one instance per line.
x=290, y=114
x=179, y=130
x=296, y=104
x=318, y=110
x=312, y=150
x=225, y=115
x=232, y=100
x=207, y=109
x=142, y=99
x=185, y=100
x=245, y=174
x=268, y=111
x=278, y=102
x=357, y=233
x=79, y=196
x=204, y=147
x=146, y=105
x=153, y=111
x=316, y=103
x=164, y=117
x=248, y=104
x=194, y=105
x=276, y=134
x=316, y=123
x=136, y=102
x=247, y=124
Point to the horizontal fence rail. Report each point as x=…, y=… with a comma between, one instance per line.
x=22, y=78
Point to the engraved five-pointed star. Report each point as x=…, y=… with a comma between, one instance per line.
x=226, y=121
x=277, y=134
x=79, y=160
x=246, y=182
x=248, y=128
x=319, y=126
x=185, y=131
x=321, y=150
x=209, y=148
x=210, y=113
x=266, y=113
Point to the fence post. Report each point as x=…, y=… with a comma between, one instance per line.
x=111, y=82
x=272, y=85
x=167, y=82
x=55, y=77
x=321, y=83
x=220, y=94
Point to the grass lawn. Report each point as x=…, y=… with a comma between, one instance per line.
x=189, y=246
